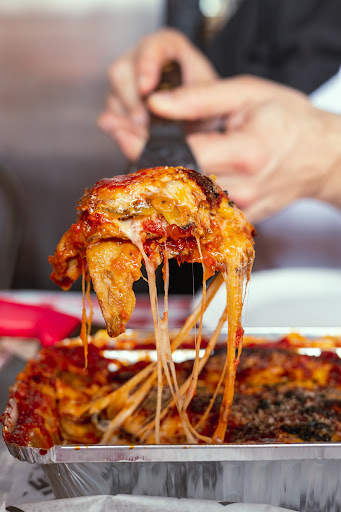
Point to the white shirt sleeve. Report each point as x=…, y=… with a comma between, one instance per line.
x=328, y=95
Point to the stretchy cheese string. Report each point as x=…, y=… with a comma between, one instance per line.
x=165, y=279
x=215, y=394
x=165, y=361
x=122, y=393
x=234, y=290
x=153, y=303
x=208, y=351
x=164, y=336
x=132, y=403
x=194, y=377
x=195, y=315
x=97, y=405
x=234, y=286
x=84, y=332
x=138, y=396
x=91, y=314
x=133, y=234
x=164, y=356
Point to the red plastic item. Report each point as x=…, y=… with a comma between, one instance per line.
x=40, y=322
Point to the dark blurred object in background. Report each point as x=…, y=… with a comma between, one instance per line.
x=200, y=20
x=297, y=43
x=11, y=225
x=186, y=17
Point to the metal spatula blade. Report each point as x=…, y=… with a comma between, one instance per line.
x=166, y=145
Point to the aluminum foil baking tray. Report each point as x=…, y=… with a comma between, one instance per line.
x=304, y=476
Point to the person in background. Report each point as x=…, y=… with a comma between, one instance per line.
x=265, y=141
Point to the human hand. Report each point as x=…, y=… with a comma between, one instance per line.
x=136, y=74
x=273, y=145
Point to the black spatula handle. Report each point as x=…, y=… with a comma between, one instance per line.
x=170, y=79
x=171, y=76
x=166, y=145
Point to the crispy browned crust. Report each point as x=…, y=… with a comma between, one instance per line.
x=124, y=197
x=213, y=192
x=168, y=211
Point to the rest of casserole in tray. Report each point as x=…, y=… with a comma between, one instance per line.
x=287, y=390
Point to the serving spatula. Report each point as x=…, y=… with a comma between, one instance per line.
x=166, y=144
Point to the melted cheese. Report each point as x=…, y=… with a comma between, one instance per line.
x=162, y=213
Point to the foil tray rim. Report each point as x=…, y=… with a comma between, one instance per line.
x=177, y=453
x=190, y=453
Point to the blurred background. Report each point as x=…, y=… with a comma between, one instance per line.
x=54, y=59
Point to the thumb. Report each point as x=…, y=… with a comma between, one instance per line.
x=191, y=102
x=200, y=101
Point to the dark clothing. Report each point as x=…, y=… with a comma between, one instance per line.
x=294, y=42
